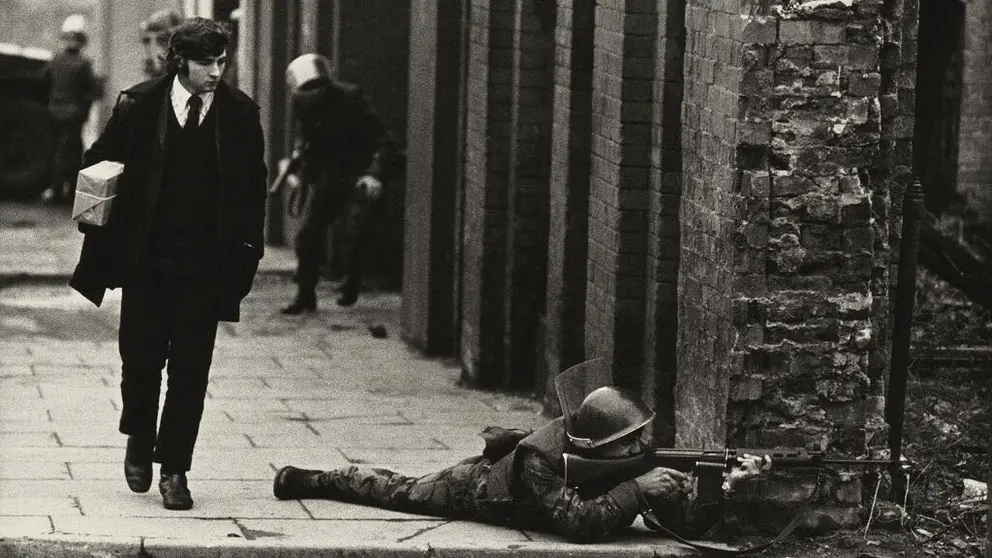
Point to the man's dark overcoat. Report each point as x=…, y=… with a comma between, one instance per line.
x=136, y=136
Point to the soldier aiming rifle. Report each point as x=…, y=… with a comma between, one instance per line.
x=519, y=480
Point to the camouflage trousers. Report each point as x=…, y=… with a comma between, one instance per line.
x=453, y=492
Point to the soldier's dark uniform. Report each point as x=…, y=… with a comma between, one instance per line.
x=524, y=488
x=342, y=140
x=72, y=90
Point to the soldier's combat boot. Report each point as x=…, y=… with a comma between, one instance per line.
x=292, y=484
x=349, y=291
x=305, y=301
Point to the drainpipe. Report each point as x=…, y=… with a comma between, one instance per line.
x=913, y=211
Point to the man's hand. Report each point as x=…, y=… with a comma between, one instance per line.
x=749, y=467
x=371, y=185
x=664, y=484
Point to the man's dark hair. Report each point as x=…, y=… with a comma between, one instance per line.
x=196, y=38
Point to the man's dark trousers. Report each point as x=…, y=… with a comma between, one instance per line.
x=166, y=318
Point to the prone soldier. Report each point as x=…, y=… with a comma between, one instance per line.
x=521, y=481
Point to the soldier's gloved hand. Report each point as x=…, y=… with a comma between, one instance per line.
x=292, y=179
x=664, y=484
x=749, y=466
x=371, y=185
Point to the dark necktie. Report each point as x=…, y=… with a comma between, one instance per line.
x=193, y=115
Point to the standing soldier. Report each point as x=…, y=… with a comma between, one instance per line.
x=183, y=242
x=155, y=32
x=345, y=154
x=72, y=87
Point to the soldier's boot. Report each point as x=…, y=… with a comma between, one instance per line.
x=292, y=484
x=352, y=286
x=305, y=301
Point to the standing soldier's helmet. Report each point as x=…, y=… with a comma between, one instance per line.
x=307, y=71
x=74, y=30
x=606, y=415
x=304, y=77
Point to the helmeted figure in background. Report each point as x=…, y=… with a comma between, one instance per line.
x=345, y=157
x=72, y=88
x=183, y=242
x=155, y=33
x=519, y=480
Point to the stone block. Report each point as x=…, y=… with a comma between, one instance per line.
x=864, y=34
x=811, y=32
x=755, y=183
x=831, y=56
x=754, y=132
x=745, y=388
x=785, y=185
x=760, y=30
x=863, y=57
x=862, y=84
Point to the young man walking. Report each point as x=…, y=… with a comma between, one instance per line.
x=183, y=242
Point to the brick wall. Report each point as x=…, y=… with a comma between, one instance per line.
x=485, y=199
x=527, y=211
x=665, y=179
x=623, y=71
x=564, y=331
x=975, y=171
x=709, y=216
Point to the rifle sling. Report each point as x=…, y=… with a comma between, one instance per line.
x=716, y=552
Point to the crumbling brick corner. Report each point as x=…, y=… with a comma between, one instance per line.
x=786, y=231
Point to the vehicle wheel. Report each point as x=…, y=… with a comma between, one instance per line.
x=26, y=142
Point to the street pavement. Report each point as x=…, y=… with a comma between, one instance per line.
x=315, y=391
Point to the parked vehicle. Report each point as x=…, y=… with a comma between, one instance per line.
x=26, y=138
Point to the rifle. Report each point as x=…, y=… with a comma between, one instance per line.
x=581, y=470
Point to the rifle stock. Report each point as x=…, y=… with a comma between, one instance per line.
x=579, y=470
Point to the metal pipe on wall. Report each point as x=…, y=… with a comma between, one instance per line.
x=895, y=404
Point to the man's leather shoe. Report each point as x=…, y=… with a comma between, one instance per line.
x=138, y=465
x=300, y=305
x=175, y=494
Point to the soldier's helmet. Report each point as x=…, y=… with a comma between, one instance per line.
x=74, y=29
x=607, y=414
x=307, y=71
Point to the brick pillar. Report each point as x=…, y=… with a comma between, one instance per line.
x=783, y=134
x=564, y=340
x=487, y=170
x=708, y=281
x=527, y=212
x=433, y=153
x=975, y=157
x=623, y=71
x=663, y=219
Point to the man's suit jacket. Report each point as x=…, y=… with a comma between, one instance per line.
x=136, y=136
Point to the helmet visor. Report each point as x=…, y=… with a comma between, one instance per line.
x=575, y=383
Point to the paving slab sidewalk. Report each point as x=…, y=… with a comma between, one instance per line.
x=315, y=391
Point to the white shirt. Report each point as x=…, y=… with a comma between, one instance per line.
x=180, y=100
